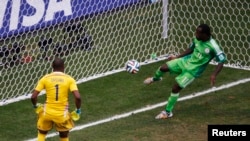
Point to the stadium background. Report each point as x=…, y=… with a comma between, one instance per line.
x=131, y=31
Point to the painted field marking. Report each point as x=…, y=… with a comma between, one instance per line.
x=150, y=107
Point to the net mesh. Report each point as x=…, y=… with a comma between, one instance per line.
x=100, y=43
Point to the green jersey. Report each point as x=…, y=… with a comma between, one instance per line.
x=203, y=53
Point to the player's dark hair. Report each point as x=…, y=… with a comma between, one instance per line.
x=58, y=63
x=205, y=29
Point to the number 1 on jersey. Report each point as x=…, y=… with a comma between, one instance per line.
x=57, y=87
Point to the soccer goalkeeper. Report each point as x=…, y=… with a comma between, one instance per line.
x=55, y=112
x=190, y=65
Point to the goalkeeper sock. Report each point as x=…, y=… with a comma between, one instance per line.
x=158, y=75
x=40, y=136
x=64, y=139
x=171, y=101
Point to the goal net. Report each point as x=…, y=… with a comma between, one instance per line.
x=96, y=38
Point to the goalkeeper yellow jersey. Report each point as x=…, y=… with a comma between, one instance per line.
x=57, y=86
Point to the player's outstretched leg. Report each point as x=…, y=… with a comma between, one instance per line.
x=150, y=80
x=157, y=77
x=164, y=115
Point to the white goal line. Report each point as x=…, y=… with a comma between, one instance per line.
x=149, y=61
x=150, y=107
x=28, y=95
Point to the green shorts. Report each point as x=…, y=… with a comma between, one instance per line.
x=184, y=78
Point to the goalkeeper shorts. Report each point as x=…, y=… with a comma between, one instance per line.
x=62, y=123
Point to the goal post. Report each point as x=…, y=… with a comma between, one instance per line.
x=96, y=38
x=165, y=18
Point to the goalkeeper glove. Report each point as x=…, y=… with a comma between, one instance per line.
x=38, y=108
x=75, y=115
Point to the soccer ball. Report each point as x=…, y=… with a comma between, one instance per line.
x=132, y=66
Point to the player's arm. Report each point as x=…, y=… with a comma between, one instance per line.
x=77, y=98
x=215, y=73
x=76, y=93
x=77, y=112
x=220, y=58
x=39, y=87
x=34, y=97
x=37, y=106
x=188, y=51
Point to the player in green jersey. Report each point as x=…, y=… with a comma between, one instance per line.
x=190, y=65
